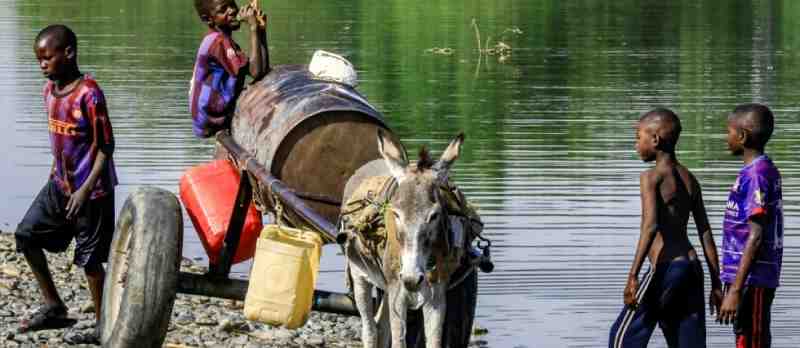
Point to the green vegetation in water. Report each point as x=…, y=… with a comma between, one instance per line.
x=501, y=49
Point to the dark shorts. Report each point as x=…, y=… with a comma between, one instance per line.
x=752, y=323
x=45, y=226
x=670, y=296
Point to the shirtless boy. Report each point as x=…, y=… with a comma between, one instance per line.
x=671, y=292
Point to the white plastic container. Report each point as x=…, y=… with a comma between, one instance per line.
x=332, y=67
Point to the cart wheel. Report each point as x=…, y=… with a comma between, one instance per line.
x=142, y=277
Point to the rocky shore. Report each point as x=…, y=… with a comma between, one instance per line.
x=197, y=321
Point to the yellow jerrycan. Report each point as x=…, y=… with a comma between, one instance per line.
x=283, y=276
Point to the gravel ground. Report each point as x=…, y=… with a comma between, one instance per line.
x=197, y=321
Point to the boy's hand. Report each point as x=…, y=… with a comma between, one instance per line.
x=727, y=313
x=253, y=15
x=714, y=301
x=260, y=19
x=630, y=292
x=76, y=200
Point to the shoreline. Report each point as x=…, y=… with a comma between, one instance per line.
x=197, y=321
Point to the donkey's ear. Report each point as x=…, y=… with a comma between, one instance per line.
x=394, y=154
x=450, y=154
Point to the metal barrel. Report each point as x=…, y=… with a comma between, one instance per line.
x=310, y=134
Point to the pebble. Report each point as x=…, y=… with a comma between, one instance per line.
x=21, y=338
x=315, y=340
x=281, y=333
x=233, y=325
x=84, y=324
x=206, y=321
x=9, y=284
x=184, y=319
x=239, y=341
x=199, y=300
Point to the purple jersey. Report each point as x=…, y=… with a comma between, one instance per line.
x=757, y=191
x=79, y=128
x=214, y=82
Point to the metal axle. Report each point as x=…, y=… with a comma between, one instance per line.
x=236, y=289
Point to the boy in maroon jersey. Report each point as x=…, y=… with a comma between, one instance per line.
x=78, y=199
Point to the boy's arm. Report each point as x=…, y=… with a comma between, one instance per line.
x=648, y=186
x=709, y=249
x=79, y=197
x=259, y=55
x=728, y=311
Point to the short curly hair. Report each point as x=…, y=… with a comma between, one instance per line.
x=62, y=36
x=668, y=126
x=203, y=7
x=756, y=118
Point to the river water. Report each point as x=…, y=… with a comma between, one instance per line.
x=549, y=154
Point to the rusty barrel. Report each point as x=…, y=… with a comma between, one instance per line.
x=309, y=133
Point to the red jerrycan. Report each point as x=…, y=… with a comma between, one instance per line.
x=208, y=192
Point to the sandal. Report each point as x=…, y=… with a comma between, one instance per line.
x=46, y=317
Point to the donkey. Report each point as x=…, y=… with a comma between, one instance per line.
x=419, y=223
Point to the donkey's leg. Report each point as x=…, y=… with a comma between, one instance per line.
x=434, y=312
x=398, y=311
x=384, y=327
x=362, y=291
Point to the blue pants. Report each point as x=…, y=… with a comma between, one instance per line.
x=671, y=295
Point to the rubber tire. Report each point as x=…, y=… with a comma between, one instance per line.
x=141, y=281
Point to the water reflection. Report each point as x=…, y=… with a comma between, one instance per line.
x=549, y=151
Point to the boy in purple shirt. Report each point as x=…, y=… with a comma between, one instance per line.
x=752, y=244
x=78, y=199
x=221, y=66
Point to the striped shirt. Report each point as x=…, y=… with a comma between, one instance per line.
x=79, y=127
x=215, y=83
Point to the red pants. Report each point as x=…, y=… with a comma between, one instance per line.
x=752, y=322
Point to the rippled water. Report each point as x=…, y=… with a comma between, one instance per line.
x=549, y=152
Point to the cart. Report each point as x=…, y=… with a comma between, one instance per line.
x=296, y=141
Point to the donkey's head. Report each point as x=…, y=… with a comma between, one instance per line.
x=417, y=207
